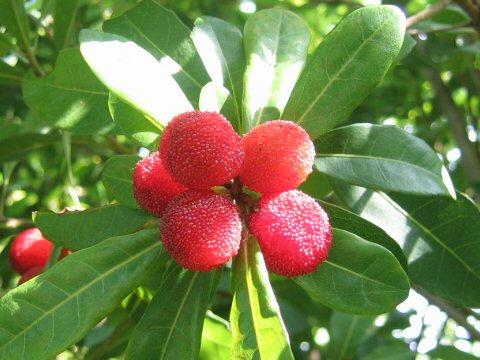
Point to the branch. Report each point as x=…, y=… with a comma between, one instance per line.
x=473, y=10
x=427, y=13
x=453, y=312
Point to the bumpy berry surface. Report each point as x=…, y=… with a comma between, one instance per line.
x=153, y=186
x=279, y=156
x=30, y=274
x=29, y=250
x=293, y=232
x=201, y=230
x=201, y=149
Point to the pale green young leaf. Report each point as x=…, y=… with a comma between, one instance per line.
x=257, y=326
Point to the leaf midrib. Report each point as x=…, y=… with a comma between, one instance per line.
x=334, y=78
x=79, y=291
x=428, y=232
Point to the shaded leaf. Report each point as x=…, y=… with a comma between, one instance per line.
x=160, y=32
x=276, y=44
x=134, y=75
x=134, y=124
x=346, y=220
x=257, y=326
x=171, y=327
x=54, y=310
x=70, y=97
x=220, y=46
x=64, y=24
x=439, y=236
x=19, y=146
x=10, y=75
x=399, y=351
x=450, y=352
x=347, y=332
x=80, y=229
x=14, y=17
x=348, y=63
x=383, y=158
x=359, y=277
x=117, y=178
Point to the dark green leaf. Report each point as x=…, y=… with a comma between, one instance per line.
x=257, y=326
x=137, y=126
x=10, y=75
x=18, y=146
x=408, y=44
x=117, y=178
x=220, y=46
x=64, y=25
x=439, y=236
x=160, y=32
x=171, y=327
x=134, y=75
x=276, y=44
x=14, y=17
x=399, y=351
x=450, y=352
x=80, y=229
x=216, y=338
x=359, y=277
x=383, y=158
x=348, y=63
x=346, y=220
x=59, y=307
x=70, y=97
x=346, y=333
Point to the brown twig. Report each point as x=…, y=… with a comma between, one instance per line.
x=427, y=13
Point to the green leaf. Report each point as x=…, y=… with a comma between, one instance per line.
x=160, y=32
x=220, y=46
x=347, y=332
x=137, y=126
x=134, y=75
x=382, y=158
x=70, y=97
x=348, y=221
x=439, y=236
x=359, y=277
x=408, y=44
x=14, y=17
x=399, y=351
x=19, y=146
x=257, y=326
x=276, y=44
x=55, y=310
x=339, y=77
x=64, y=24
x=117, y=178
x=10, y=75
x=216, y=338
x=213, y=97
x=171, y=327
x=81, y=229
x=450, y=352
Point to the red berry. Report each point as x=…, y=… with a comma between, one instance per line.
x=201, y=230
x=279, y=156
x=293, y=232
x=29, y=274
x=153, y=187
x=201, y=149
x=30, y=249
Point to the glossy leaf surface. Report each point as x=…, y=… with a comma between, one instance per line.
x=171, y=327
x=80, y=229
x=117, y=178
x=55, y=310
x=383, y=158
x=358, y=277
x=339, y=77
x=276, y=43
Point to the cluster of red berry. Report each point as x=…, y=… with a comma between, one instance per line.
x=212, y=189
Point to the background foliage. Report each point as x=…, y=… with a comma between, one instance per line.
x=397, y=224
